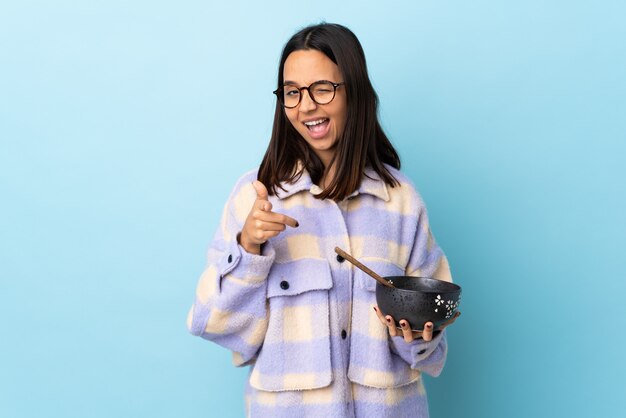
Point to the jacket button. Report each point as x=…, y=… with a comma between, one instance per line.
x=284, y=285
x=340, y=258
x=230, y=258
x=344, y=334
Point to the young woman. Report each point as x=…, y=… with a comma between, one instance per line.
x=274, y=291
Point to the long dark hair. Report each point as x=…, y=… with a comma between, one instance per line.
x=363, y=142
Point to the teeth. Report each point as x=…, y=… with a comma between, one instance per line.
x=315, y=122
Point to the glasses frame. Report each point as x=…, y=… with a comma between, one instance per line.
x=278, y=93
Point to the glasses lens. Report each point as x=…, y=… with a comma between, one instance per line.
x=323, y=92
x=290, y=96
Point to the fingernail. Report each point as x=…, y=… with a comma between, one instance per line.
x=429, y=326
x=389, y=320
x=375, y=310
x=402, y=324
x=297, y=224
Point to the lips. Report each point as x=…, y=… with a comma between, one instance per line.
x=315, y=122
x=318, y=128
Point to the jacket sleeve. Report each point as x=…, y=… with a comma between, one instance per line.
x=426, y=260
x=230, y=302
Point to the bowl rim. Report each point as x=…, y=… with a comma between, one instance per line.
x=454, y=287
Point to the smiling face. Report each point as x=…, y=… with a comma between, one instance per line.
x=319, y=125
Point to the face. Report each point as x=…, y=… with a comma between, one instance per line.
x=319, y=125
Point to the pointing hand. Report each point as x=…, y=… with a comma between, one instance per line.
x=261, y=223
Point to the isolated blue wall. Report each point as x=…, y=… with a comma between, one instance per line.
x=123, y=126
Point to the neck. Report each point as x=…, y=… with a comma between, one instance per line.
x=328, y=177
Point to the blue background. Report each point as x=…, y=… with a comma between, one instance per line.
x=123, y=127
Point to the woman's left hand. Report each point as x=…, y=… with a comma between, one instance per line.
x=409, y=335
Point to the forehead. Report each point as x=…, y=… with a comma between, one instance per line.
x=307, y=66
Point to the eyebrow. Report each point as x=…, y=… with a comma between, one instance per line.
x=296, y=84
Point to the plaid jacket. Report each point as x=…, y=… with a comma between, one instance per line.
x=303, y=318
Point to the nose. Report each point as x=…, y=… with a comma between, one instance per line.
x=306, y=103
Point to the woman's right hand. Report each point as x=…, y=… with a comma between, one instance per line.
x=261, y=223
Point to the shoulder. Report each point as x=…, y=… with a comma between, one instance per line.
x=243, y=194
x=244, y=180
x=406, y=191
x=399, y=175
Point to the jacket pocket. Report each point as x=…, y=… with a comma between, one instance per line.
x=372, y=363
x=296, y=350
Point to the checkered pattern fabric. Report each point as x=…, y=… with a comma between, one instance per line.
x=303, y=319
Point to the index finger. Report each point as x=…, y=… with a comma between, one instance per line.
x=280, y=219
x=268, y=216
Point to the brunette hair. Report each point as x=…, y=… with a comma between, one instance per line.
x=363, y=142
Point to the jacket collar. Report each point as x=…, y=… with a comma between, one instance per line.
x=371, y=184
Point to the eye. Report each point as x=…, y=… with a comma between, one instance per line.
x=291, y=91
x=322, y=88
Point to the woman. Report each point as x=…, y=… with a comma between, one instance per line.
x=275, y=293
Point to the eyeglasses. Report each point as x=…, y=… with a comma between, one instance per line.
x=321, y=92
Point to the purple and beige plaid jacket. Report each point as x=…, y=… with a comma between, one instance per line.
x=303, y=319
